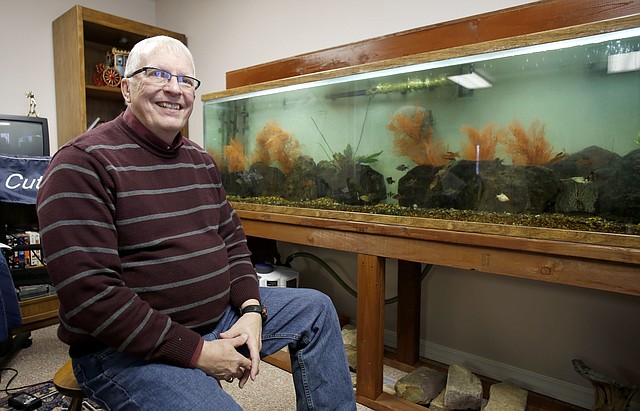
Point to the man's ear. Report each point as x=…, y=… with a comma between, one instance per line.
x=126, y=90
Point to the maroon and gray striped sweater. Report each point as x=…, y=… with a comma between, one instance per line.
x=140, y=242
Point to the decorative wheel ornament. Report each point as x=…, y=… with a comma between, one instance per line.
x=111, y=77
x=97, y=76
x=97, y=80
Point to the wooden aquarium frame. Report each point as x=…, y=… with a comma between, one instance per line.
x=600, y=261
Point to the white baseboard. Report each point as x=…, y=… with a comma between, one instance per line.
x=542, y=384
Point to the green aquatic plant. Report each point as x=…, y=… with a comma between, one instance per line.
x=637, y=140
x=348, y=157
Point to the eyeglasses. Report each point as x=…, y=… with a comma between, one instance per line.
x=163, y=77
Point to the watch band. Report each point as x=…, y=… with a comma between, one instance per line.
x=260, y=309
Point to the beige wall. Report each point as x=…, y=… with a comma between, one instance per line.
x=27, y=51
x=498, y=325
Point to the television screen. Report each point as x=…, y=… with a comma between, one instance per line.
x=24, y=135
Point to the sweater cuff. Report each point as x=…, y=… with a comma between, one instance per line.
x=196, y=354
x=244, y=290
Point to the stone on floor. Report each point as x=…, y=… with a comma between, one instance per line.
x=463, y=390
x=505, y=396
x=421, y=385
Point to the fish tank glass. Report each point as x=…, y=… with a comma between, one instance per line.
x=514, y=136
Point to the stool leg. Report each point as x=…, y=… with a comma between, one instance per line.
x=75, y=404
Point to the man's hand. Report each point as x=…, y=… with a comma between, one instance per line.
x=221, y=360
x=249, y=325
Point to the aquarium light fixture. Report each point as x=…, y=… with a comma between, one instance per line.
x=470, y=81
x=623, y=62
x=412, y=68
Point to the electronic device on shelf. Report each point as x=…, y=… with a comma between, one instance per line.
x=24, y=135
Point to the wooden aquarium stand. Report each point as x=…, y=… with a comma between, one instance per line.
x=594, y=266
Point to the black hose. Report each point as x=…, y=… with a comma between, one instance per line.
x=327, y=267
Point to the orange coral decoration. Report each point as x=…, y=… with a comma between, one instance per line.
x=234, y=154
x=487, y=139
x=275, y=144
x=217, y=158
x=528, y=147
x=413, y=137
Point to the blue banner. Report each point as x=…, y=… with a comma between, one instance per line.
x=20, y=178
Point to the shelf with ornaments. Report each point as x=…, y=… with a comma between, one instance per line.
x=90, y=49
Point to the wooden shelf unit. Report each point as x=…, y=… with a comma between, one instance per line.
x=81, y=39
x=39, y=312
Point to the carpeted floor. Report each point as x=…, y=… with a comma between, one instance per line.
x=273, y=390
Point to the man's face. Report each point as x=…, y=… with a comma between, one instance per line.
x=164, y=110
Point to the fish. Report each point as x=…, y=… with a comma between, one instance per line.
x=402, y=167
x=450, y=192
x=390, y=180
x=558, y=157
x=249, y=177
x=364, y=198
x=450, y=155
x=502, y=197
x=437, y=177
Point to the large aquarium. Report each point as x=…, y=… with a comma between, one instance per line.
x=538, y=132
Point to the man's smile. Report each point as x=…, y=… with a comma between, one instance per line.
x=173, y=106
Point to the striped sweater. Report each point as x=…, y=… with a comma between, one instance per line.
x=140, y=242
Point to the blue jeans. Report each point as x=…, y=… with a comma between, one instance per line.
x=302, y=319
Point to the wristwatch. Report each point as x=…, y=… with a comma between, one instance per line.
x=260, y=309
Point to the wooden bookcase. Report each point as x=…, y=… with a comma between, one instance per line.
x=81, y=39
x=39, y=312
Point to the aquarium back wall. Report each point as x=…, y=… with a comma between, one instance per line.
x=223, y=36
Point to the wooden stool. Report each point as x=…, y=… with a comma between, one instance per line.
x=66, y=384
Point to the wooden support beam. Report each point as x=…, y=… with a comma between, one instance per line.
x=370, y=325
x=408, y=323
